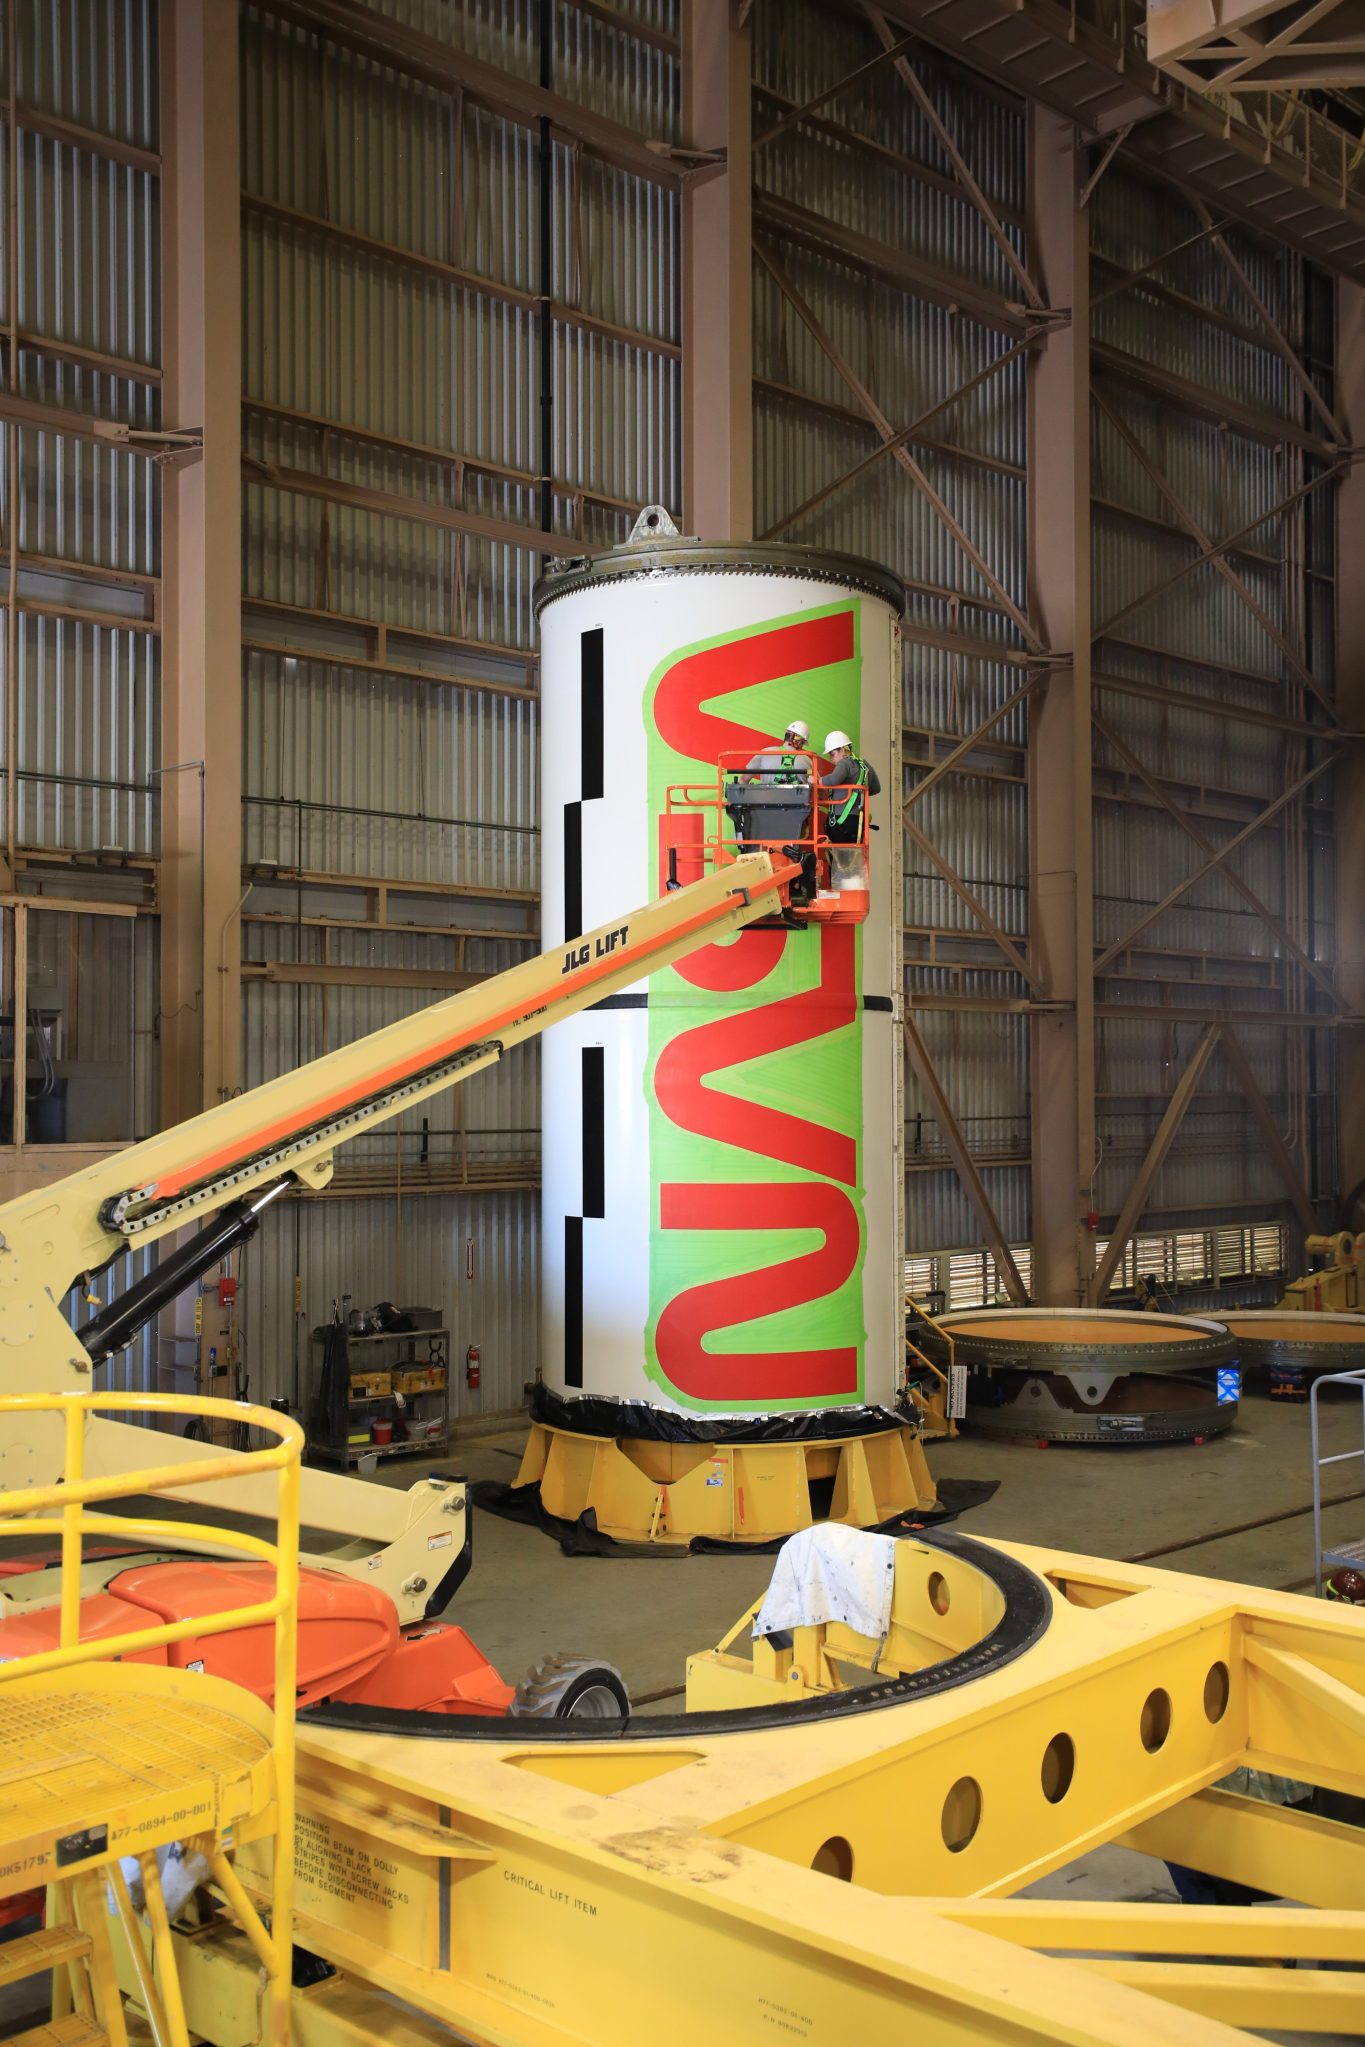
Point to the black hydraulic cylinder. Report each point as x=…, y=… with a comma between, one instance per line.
x=117, y=1323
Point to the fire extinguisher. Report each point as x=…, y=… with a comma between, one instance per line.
x=471, y=1368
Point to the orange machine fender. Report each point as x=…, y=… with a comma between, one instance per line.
x=102, y=1614
x=434, y=1669
x=346, y=1628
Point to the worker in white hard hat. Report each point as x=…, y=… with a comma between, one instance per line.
x=792, y=764
x=793, y=767
x=846, y=779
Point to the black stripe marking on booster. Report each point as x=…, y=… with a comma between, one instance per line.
x=573, y=1300
x=594, y=1131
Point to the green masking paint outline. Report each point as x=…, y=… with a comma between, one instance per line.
x=821, y=1078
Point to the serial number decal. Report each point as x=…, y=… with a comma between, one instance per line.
x=784, y=2018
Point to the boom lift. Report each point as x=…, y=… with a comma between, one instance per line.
x=788, y=817
x=366, y=1619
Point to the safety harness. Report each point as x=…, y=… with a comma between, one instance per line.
x=855, y=795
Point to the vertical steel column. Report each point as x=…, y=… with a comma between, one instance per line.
x=1061, y=863
x=1349, y=793
x=13, y=491
x=718, y=288
x=201, y=682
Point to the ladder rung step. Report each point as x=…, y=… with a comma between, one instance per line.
x=31, y=1953
x=72, y=2031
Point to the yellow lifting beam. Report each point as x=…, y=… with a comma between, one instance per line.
x=860, y=1876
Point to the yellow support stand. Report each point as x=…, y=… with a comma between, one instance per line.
x=106, y=1760
x=1335, y=1288
x=668, y=1493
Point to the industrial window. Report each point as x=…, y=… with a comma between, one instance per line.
x=963, y=1279
x=1267, y=1247
x=1174, y=1258
x=77, y=1040
x=921, y=1277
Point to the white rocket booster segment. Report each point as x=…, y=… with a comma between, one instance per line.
x=722, y=1144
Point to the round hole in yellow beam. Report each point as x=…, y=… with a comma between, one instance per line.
x=1059, y=1767
x=834, y=1858
x=1217, y=1691
x=1155, y=1723
x=961, y=1814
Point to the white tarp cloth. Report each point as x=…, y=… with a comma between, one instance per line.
x=831, y=1573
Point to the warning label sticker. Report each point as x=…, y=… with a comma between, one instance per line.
x=364, y=1886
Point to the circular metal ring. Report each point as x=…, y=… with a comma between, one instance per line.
x=1065, y=1339
x=1028, y=1604
x=1278, y=1336
x=688, y=557
x=1140, y=1409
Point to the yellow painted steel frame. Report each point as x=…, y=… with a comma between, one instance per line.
x=292, y=1126
x=61, y=1510
x=1335, y=1287
x=667, y=1493
x=537, y=1893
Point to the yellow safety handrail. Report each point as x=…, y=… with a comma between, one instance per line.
x=30, y=1511
x=936, y=1371
x=911, y=1301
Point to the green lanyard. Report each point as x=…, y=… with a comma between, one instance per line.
x=855, y=796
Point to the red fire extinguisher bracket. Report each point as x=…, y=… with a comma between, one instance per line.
x=471, y=1367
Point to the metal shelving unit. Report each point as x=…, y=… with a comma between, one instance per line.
x=418, y=1349
x=1341, y=1553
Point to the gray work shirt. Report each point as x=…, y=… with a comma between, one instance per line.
x=772, y=767
x=845, y=774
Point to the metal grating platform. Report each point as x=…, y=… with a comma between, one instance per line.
x=89, y=1771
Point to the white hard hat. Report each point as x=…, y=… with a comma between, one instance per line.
x=799, y=726
x=837, y=739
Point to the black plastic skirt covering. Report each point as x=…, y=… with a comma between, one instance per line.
x=592, y=1415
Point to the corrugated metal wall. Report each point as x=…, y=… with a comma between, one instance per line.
x=911, y=352
x=419, y=1250
x=872, y=165
x=87, y=321
x=391, y=262
x=410, y=364
x=1226, y=456
x=79, y=545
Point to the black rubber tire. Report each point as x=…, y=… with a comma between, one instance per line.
x=571, y=1688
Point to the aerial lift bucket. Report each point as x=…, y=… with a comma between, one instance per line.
x=706, y=826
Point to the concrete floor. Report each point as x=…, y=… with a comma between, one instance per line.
x=524, y=1597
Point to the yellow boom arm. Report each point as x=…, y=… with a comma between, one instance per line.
x=290, y=1127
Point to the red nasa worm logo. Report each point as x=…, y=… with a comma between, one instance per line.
x=694, y=1056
